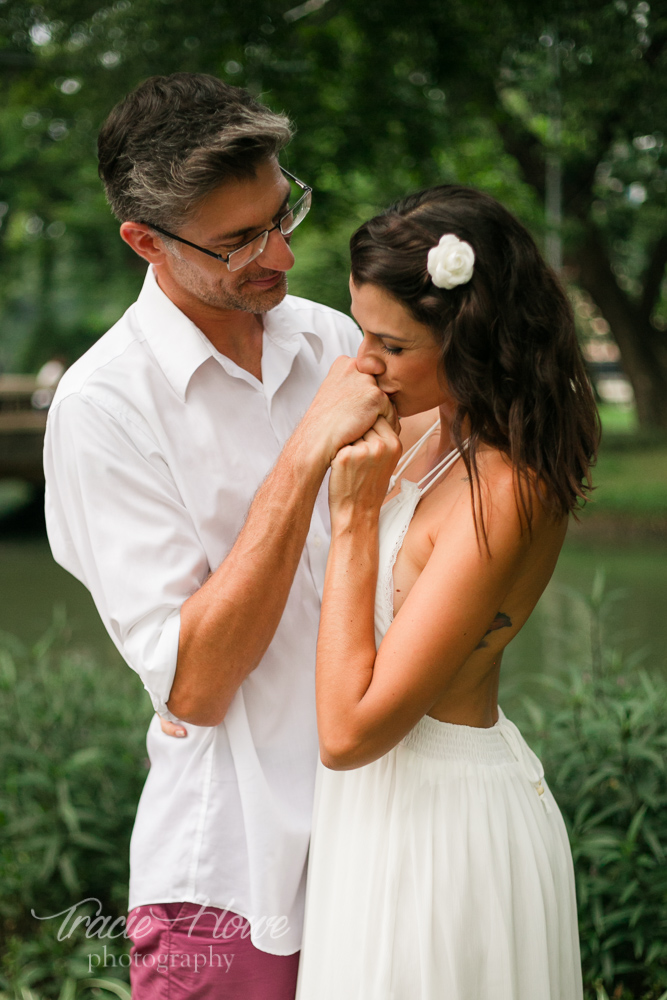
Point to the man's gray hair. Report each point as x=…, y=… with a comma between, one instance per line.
x=174, y=139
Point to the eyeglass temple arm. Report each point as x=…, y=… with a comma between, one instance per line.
x=179, y=239
x=302, y=184
x=211, y=253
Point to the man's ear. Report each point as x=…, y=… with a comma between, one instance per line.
x=143, y=241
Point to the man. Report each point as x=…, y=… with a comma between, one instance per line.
x=203, y=396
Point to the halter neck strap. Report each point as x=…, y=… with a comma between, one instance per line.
x=409, y=455
x=438, y=471
x=434, y=474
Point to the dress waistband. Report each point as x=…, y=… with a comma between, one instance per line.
x=495, y=745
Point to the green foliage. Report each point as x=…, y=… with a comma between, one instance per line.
x=387, y=98
x=73, y=760
x=72, y=755
x=42, y=966
x=600, y=733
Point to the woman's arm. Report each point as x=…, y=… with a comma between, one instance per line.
x=367, y=702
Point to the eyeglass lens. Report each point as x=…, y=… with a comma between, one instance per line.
x=289, y=222
x=245, y=255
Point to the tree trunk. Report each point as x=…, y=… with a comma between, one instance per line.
x=643, y=360
x=39, y=347
x=643, y=348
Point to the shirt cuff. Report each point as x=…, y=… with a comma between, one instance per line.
x=158, y=674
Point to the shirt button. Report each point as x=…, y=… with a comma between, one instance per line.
x=317, y=541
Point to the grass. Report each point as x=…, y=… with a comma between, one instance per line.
x=632, y=481
x=618, y=419
x=630, y=478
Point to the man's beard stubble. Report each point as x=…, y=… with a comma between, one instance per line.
x=242, y=297
x=257, y=300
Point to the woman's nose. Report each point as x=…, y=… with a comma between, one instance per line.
x=369, y=361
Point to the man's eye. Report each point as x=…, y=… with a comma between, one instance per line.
x=229, y=248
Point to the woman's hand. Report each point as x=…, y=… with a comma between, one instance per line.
x=360, y=472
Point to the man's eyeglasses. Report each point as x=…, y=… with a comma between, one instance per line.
x=249, y=251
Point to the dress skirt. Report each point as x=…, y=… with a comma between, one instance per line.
x=441, y=871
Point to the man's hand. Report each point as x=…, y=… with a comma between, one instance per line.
x=170, y=728
x=346, y=406
x=227, y=625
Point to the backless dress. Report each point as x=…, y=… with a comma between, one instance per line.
x=442, y=870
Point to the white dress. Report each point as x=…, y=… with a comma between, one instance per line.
x=441, y=871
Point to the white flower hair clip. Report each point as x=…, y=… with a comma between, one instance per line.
x=451, y=263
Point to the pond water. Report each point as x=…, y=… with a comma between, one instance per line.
x=561, y=632
x=557, y=633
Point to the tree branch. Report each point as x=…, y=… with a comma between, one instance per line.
x=530, y=153
x=641, y=362
x=653, y=279
x=526, y=149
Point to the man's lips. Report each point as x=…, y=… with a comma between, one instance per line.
x=268, y=282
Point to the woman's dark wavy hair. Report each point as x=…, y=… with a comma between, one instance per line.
x=509, y=349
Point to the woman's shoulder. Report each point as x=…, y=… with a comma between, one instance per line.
x=508, y=493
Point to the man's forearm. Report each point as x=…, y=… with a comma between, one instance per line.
x=228, y=624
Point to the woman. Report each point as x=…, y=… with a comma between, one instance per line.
x=440, y=864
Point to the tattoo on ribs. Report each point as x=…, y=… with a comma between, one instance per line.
x=500, y=621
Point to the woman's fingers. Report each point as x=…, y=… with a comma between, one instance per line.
x=382, y=436
x=379, y=442
x=172, y=728
x=385, y=430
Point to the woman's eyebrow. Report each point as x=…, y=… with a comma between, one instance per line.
x=388, y=336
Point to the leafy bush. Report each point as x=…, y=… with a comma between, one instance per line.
x=58, y=968
x=601, y=734
x=73, y=762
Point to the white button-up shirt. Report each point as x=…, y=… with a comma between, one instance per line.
x=156, y=444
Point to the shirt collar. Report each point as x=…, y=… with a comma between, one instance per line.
x=180, y=347
x=285, y=327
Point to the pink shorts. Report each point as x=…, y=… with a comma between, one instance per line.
x=203, y=953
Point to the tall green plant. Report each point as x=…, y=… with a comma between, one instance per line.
x=602, y=737
x=73, y=762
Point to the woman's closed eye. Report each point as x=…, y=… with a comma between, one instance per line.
x=390, y=350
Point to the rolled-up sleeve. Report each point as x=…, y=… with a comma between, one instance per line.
x=116, y=521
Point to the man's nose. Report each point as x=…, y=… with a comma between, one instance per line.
x=369, y=361
x=277, y=255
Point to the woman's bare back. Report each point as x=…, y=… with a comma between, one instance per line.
x=471, y=696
